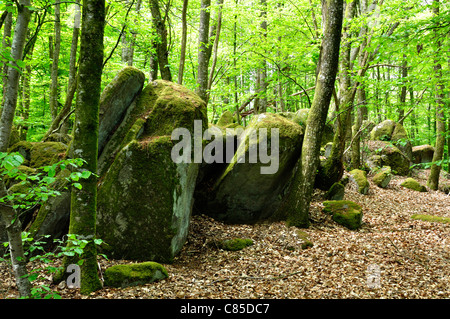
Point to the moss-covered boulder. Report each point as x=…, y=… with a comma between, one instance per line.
x=391, y=156
x=251, y=187
x=116, y=99
x=391, y=131
x=47, y=153
x=121, y=276
x=144, y=197
x=225, y=119
x=345, y=213
x=359, y=177
x=336, y=192
x=411, y=183
x=24, y=149
x=383, y=131
x=422, y=154
x=59, y=137
x=382, y=177
x=301, y=118
x=54, y=214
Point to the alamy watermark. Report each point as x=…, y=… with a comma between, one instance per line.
x=189, y=149
x=373, y=276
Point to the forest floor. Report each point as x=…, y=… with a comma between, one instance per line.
x=412, y=256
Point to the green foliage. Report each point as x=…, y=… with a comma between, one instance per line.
x=45, y=261
x=31, y=190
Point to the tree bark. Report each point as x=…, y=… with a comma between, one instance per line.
x=183, y=42
x=203, y=50
x=216, y=36
x=13, y=224
x=333, y=169
x=161, y=45
x=297, y=202
x=55, y=63
x=85, y=137
x=433, y=179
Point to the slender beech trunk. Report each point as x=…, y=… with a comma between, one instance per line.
x=333, y=169
x=85, y=138
x=433, y=179
x=183, y=42
x=203, y=50
x=55, y=63
x=403, y=91
x=356, y=146
x=161, y=45
x=13, y=224
x=216, y=36
x=297, y=202
x=6, y=44
x=262, y=70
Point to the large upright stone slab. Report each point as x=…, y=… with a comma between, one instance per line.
x=247, y=191
x=145, y=198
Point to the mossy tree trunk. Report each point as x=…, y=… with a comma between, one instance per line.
x=9, y=216
x=85, y=139
x=433, y=179
x=298, y=199
x=161, y=45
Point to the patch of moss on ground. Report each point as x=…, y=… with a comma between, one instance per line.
x=305, y=238
x=235, y=244
x=134, y=274
x=431, y=218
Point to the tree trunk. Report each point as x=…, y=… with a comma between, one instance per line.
x=262, y=70
x=333, y=168
x=433, y=179
x=203, y=50
x=297, y=202
x=13, y=225
x=183, y=42
x=161, y=45
x=85, y=138
x=356, y=146
x=55, y=63
x=404, y=74
x=71, y=85
x=6, y=44
x=216, y=37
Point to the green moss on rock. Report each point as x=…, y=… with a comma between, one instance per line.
x=235, y=244
x=121, y=276
x=391, y=156
x=345, y=213
x=336, y=192
x=383, y=131
x=360, y=177
x=47, y=153
x=383, y=177
x=411, y=183
x=225, y=119
x=260, y=193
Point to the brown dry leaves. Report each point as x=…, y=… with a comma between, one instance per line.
x=413, y=256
